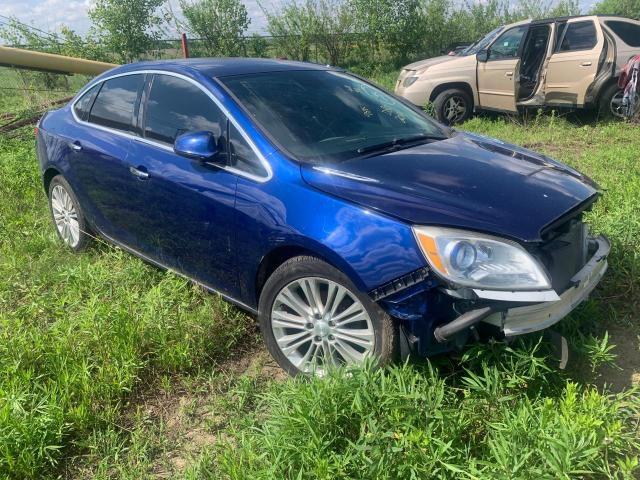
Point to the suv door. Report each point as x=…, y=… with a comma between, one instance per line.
x=497, y=76
x=188, y=221
x=574, y=64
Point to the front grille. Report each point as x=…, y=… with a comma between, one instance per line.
x=563, y=252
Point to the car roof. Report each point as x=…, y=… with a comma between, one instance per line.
x=220, y=67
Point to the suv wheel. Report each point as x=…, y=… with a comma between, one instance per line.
x=611, y=105
x=67, y=215
x=453, y=106
x=313, y=317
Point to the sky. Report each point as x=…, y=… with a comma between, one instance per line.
x=50, y=15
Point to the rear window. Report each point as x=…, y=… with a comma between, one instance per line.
x=629, y=33
x=115, y=104
x=83, y=105
x=579, y=36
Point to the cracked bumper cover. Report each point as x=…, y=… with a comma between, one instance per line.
x=531, y=318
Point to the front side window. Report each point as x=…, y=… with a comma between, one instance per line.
x=481, y=44
x=628, y=32
x=176, y=106
x=508, y=44
x=579, y=36
x=327, y=116
x=116, y=102
x=241, y=155
x=83, y=105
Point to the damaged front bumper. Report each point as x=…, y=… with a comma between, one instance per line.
x=518, y=313
x=531, y=318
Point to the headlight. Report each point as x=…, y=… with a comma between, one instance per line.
x=480, y=261
x=409, y=81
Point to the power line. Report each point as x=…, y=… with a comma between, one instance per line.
x=31, y=27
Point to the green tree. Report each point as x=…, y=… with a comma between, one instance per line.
x=127, y=28
x=293, y=29
x=220, y=24
x=626, y=8
x=397, y=26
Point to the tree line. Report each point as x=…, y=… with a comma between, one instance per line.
x=351, y=33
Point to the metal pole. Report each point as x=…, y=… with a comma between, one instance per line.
x=185, y=46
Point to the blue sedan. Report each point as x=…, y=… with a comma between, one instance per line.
x=348, y=221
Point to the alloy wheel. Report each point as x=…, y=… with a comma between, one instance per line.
x=317, y=323
x=455, y=109
x=65, y=216
x=617, y=105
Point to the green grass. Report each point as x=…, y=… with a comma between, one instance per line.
x=110, y=368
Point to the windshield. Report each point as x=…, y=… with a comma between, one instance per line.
x=327, y=116
x=482, y=43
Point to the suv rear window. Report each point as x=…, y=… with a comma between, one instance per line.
x=629, y=33
x=579, y=36
x=116, y=102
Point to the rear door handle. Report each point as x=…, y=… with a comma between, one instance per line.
x=139, y=172
x=75, y=146
x=508, y=74
x=586, y=64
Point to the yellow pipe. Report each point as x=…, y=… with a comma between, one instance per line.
x=19, y=58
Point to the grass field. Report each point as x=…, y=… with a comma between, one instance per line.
x=110, y=368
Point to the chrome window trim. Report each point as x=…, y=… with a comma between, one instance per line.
x=263, y=161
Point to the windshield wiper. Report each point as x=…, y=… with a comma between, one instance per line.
x=398, y=143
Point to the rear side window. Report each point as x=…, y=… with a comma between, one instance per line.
x=629, y=33
x=83, y=105
x=176, y=106
x=116, y=102
x=242, y=156
x=579, y=36
x=508, y=44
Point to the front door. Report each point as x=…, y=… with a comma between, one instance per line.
x=574, y=64
x=188, y=221
x=497, y=76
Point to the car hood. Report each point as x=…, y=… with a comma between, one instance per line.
x=466, y=181
x=429, y=62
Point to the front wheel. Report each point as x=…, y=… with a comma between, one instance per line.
x=313, y=318
x=453, y=106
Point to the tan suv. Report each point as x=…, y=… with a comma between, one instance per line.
x=561, y=62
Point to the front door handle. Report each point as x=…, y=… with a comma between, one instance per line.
x=508, y=74
x=139, y=172
x=75, y=146
x=586, y=64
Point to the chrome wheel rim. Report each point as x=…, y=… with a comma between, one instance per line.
x=454, y=109
x=318, y=324
x=65, y=216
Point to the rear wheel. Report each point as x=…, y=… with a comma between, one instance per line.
x=611, y=103
x=313, y=318
x=453, y=106
x=67, y=215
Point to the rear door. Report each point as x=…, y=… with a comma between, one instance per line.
x=574, y=64
x=497, y=77
x=99, y=147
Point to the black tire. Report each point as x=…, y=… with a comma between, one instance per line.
x=442, y=106
x=384, y=327
x=605, y=109
x=84, y=238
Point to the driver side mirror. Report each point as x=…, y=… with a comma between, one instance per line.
x=196, y=145
x=482, y=56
